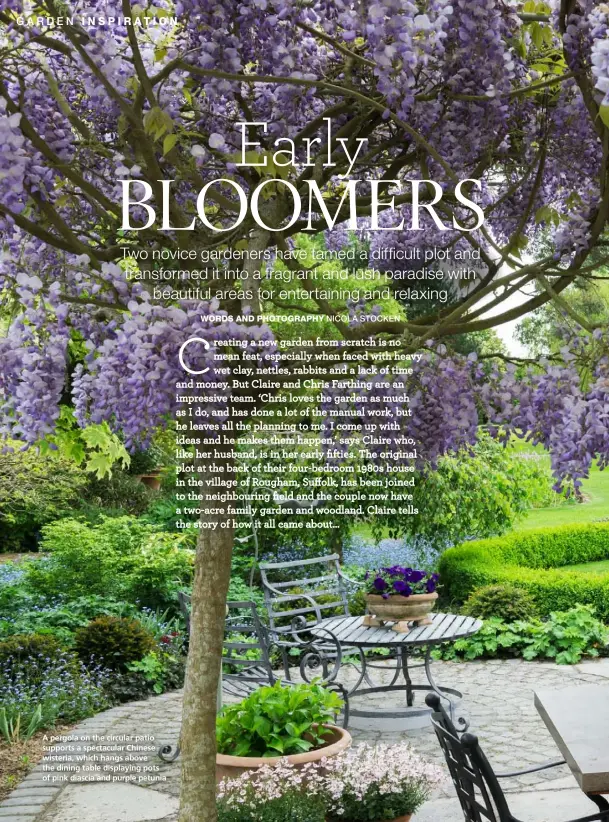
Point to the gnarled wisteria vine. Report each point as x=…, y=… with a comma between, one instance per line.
x=441, y=91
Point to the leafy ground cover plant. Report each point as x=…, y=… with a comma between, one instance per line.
x=59, y=618
x=278, y=721
x=161, y=670
x=566, y=636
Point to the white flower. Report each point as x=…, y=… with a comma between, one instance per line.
x=216, y=140
x=422, y=22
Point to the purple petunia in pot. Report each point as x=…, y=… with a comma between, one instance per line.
x=399, y=580
x=400, y=595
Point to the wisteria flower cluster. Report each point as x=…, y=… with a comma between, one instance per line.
x=401, y=581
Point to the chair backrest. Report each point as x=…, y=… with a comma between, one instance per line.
x=478, y=789
x=246, y=661
x=307, y=590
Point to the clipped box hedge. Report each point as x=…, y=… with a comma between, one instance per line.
x=533, y=560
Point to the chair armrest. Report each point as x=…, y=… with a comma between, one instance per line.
x=281, y=596
x=545, y=766
x=277, y=591
x=314, y=652
x=354, y=582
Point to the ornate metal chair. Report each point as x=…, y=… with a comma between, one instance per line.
x=301, y=593
x=290, y=593
x=477, y=785
x=246, y=658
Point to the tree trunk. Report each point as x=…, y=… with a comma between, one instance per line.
x=209, y=593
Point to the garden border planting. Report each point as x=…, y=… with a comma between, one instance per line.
x=534, y=560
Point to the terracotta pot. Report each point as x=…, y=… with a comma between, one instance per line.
x=399, y=610
x=152, y=479
x=232, y=766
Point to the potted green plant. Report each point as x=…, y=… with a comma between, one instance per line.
x=279, y=724
x=378, y=784
x=146, y=466
x=399, y=595
x=278, y=793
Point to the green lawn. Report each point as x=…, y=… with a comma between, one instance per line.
x=601, y=567
x=596, y=506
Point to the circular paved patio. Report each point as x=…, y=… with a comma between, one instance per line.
x=497, y=699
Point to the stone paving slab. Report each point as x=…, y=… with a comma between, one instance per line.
x=497, y=699
x=110, y=803
x=538, y=806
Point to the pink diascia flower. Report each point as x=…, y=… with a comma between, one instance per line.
x=392, y=769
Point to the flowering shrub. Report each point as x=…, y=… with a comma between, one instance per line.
x=399, y=580
x=50, y=687
x=364, y=552
x=277, y=721
x=361, y=784
x=280, y=793
x=378, y=783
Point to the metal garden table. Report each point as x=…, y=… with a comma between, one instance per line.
x=444, y=628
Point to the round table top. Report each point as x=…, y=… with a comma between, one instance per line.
x=444, y=628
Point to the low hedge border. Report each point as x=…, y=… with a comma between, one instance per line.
x=533, y=560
